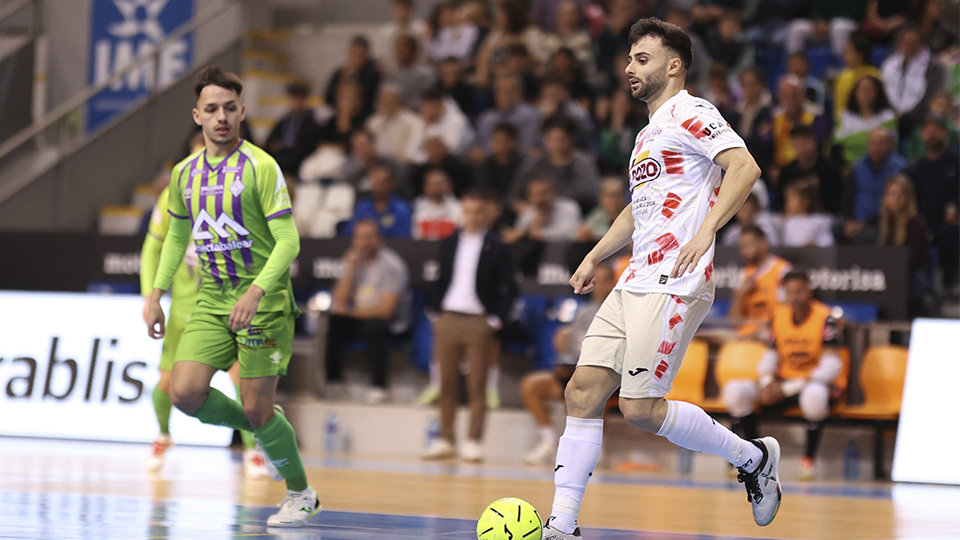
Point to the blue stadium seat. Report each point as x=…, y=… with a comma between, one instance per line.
x=879, y=53
x=821, y=58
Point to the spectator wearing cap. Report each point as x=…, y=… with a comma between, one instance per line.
x=794, y=109
x=451, y=83
x=360, y=69
x=296, y=134
x=856, y=66
x=509, y=108
x=498, y=172
x=936, y=180
x=411, y=77
x=871, y=173
x=436, y=213
x=393, y=125
x=572, y=174
x=383, y=206
x=830, y=185
x=867, y=108
x=911, y=75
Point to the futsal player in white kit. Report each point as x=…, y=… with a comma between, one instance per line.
x=640, y=334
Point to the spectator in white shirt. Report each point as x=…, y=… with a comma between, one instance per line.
x=457, y=37
x=440, y=117
x=436, y=213
x=393, y=125
x=800, y=227
x=546, y=217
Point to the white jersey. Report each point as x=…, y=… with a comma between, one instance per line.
x=674, y=183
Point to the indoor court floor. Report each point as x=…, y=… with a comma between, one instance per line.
x=87, y=490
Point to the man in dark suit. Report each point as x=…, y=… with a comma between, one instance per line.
x=472, y=301
x=296, y=135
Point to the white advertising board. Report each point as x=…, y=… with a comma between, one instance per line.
x=928, y=437
x=81, y=366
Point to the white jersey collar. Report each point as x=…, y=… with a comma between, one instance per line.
x=668, y=104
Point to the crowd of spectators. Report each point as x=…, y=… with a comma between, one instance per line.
x=839, y=104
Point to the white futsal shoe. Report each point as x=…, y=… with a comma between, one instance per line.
x=549, y=533
x=157, y=452
x=296, y=509
x=543, y=453
x=763, y=484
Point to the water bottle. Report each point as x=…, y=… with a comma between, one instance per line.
x=684, y=460
x=333, y=434
x=433, y=432
x=851, y=462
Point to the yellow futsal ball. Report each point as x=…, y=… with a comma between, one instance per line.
x=509, y=519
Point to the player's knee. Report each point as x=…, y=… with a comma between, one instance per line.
x=739, y=397
x=578, y=397
x=187, y=398
x=257, y=415
x=643, y=413
x=532, y=385
x=815, y=401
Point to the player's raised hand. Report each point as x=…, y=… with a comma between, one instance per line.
x=245, y=308
x=690, y=254
x=153, y=316
x=582, y=280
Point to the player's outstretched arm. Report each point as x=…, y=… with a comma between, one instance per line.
x=284, y=252
x=742, y=173
x=616, y=237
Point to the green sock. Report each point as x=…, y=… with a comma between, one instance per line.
x=161, y=406
x=219, y=410
x=280, y=444
x=245, y=436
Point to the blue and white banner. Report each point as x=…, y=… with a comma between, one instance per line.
x=123, y=30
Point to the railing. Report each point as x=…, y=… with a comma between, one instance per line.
x=65, y=134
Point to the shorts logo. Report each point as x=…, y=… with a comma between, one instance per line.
x=255, y=343
x=276, y=357
x=255, y=330
x=663, y=279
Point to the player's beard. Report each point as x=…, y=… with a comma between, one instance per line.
x=652, y=85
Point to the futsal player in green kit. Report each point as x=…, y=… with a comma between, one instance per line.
x=233, y=200
x=183, y=297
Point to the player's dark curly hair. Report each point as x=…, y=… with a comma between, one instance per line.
x=672, y=36
x=216, y=76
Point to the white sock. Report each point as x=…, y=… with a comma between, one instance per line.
x=493, y=378
x=689, y=426
x=547, y=433
x=577, y=456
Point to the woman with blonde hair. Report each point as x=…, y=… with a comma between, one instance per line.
x=899, y=224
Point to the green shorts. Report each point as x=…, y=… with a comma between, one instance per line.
x=263, y=350
x=171, y=338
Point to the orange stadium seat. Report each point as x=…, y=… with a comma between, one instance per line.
x=688, y=384
x=737, y=360
x=881, y=379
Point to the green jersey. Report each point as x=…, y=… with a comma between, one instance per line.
x=229, y=202
x=186, y=282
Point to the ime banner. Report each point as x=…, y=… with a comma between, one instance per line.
x=121, y=32
x=81, y=366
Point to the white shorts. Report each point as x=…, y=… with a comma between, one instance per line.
x=643, y=337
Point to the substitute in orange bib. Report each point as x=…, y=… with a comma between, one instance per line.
x=759, y=289
x=802, y=367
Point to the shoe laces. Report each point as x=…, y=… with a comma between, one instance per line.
x=752, y=483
